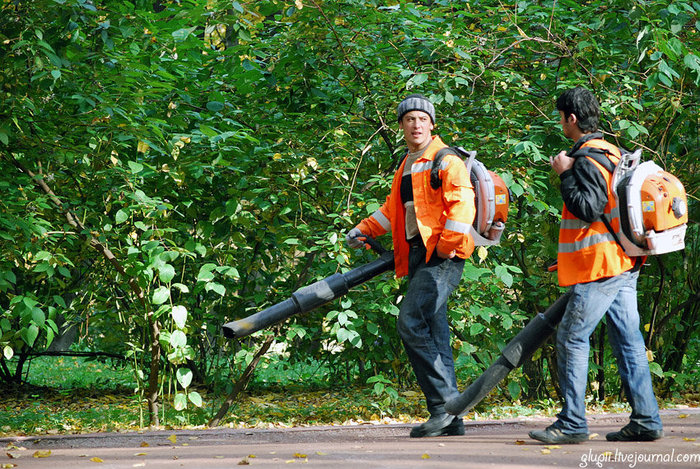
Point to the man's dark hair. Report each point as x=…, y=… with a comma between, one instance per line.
x=583, y=104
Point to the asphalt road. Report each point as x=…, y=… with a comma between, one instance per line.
x=486, y=444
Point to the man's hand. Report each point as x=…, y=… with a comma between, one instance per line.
x=355, y=238
x=561, y=162
x=442, y=255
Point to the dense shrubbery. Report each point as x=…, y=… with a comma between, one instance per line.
x=172, y=165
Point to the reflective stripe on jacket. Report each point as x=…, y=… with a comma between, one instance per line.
x=588, y=251
x=444, y=216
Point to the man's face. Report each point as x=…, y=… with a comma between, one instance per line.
x=416, y=126
x=568, y=125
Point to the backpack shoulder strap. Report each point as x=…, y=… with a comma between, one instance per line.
x=435, y=181
x=597, y=154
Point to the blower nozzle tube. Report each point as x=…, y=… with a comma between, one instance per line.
x=310, y=297
x=519, y=349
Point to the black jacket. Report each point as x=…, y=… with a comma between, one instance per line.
x=583, y=187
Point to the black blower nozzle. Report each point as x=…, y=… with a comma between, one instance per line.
x=519, y=349
x=310, y=297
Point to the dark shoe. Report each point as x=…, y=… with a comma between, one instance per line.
x=553, y=435
x=441, y=425
x=630, y=433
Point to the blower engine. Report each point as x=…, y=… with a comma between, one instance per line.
x=653, y=207
x=492, y=201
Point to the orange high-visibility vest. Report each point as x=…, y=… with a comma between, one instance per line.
x=588, y=251
x=444, y=215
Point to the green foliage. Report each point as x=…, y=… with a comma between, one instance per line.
x=219, y=150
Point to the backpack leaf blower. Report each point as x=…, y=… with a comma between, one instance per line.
x=491, y=214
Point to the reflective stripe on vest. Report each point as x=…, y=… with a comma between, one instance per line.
x=457, y=227
x=382, y=220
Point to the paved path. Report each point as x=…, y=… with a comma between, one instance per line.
x=487, y=444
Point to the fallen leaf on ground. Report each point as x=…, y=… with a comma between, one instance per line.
x=8, y=465
x=592, y=436
x=251, y=456
x=299, y=455
x=425, y=456
x=519, y=442
x=546, y=451
x=42, y=454
x=140, y=454
x=173, y=438
x=688, y=439
x=144, y=444
x=243, y=462
x=553, y=447
x=682, y=416
x=321, y=453
x=96, y=459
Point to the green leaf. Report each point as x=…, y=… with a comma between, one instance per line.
x=514, y=389
x=215, y=106
x=7, y=352
x=166, y=272
x=135, y=167
x=184, y=377
x=208, y=131
x=29, y=334
x=38, y=317
x=120, y=217
x=179, y=314
x=180, y=401
x=656, y=369
x=178, y=339
x=161, y=295
x=216, y=287
x=195, y=398
x=182, y=34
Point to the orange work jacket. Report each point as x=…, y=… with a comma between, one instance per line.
x=444, y=215
x=588, y=251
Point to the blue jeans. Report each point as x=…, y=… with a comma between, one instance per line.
x=589, y=302
x=423, y=326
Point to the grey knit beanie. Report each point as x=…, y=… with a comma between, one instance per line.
x=416, y=102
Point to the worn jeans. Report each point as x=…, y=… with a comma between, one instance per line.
x=589, y=302
x=423, y=325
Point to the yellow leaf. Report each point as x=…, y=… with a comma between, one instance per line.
x=519, y=442
x=42, y=454
x=425, y=456
x=299, y=455
x=144, y=444
x=546, y=451
x=592, y=436
x=682, y=416
x=140, y=454
x=647, y=326
x=321, y=453
x=96, y=459
x=298, y=4
x=482, y=252
x=173, y=439
x=139, y=464
x=688, y=439
x=8, y=465
x=142, y=147
x=650, y=356
x=553, y=447
x=252, y=456
x=607, y=454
